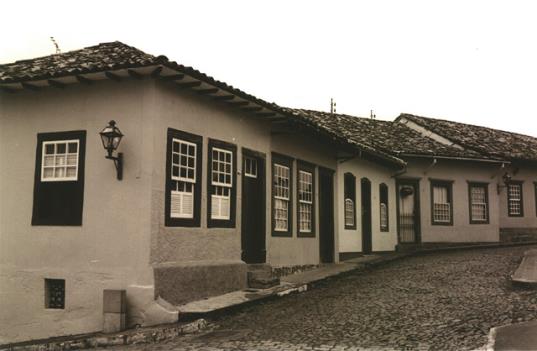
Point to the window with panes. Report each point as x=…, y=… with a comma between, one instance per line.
x=59, y=179
x=221, y=184
x=306, y=199
x=479, y=207
x=60, y=161
x=441, y=202
x=183, y=176
x=281, y=196
x=514, y=199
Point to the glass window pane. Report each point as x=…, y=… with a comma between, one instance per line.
x=60, y=148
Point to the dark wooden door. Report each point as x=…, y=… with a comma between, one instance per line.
x=366, y=215
x=408, y=211
x=253, y=208
x=326, y=215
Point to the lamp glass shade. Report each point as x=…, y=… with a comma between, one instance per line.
x=111, y=137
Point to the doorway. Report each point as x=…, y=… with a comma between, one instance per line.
x=408, y=211
x=326, y=215
x=253, y=207
x=366, y=216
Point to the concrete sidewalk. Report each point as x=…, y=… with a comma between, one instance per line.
x=519, y=336
x=292, y=283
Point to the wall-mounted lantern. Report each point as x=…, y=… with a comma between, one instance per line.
x=506, y=180
x=111, y=137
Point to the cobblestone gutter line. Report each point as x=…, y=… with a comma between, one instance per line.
x=131, y=337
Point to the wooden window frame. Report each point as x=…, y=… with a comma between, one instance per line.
x=449, y=185
x=195, y=221
x=348, y=177
x=285, y=161
x=521, y=184
x=309, y=168
x=383, y=186
x=66, y=190
x=485, y=186
x=217, y=222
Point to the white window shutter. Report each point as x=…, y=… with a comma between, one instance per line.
x=182, y=204
x=220, y=207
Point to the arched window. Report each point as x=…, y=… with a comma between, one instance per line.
x=383, y=197
x=350, y=200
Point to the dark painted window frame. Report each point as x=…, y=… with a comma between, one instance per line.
x=352, y=178
x=521, y=183
x=288, y=162
x=381, y=187
x=310, y=168
x=37, y=218
x=535, y=190
x=484, y=185
x=198, y=140
x=222, y=223
x=449, y=185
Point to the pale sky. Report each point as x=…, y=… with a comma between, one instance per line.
x=467, y=61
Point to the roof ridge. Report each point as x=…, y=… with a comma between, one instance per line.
x=467, y=124
x=70, y=52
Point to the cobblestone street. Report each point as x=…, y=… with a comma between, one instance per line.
x=444, y=301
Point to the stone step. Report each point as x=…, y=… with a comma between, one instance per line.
x=263, y=283
x=260, y=276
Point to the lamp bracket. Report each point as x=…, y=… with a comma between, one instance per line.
x=118, y=163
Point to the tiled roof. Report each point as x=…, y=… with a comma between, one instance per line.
x=389, y=137
x=102, y=57
x=116, y=55
x=492, y=142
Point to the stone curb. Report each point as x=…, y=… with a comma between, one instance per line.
x=130, y=337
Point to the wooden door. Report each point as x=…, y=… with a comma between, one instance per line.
x=326, y=215
x=253, y=208
x=408, y=211
x=366, y=216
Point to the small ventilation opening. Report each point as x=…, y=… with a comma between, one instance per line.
x=55, y=293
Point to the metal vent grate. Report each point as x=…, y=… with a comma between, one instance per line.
x=55, y=293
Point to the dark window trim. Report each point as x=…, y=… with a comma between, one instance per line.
x=449, y=185
x=486, y=187
x=535, y=190
x=288, y=162
x=79, y=183
x=385, y=186
x=307, y=167
x=353, y=178
x=222, y=223
x=198, y=140
x=521, y=183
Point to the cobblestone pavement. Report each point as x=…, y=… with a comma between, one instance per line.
x=444, y=301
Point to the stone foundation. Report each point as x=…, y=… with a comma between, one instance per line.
x=514, y=235
x=179, y=283
x=283, y=271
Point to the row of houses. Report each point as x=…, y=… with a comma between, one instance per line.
x=212, y=180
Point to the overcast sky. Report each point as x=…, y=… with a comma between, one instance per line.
x=468, y=61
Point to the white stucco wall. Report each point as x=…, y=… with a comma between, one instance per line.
x=460, y=172
x=350, y=240
x=528, y=176
x=203, y=116
x=111, y=248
